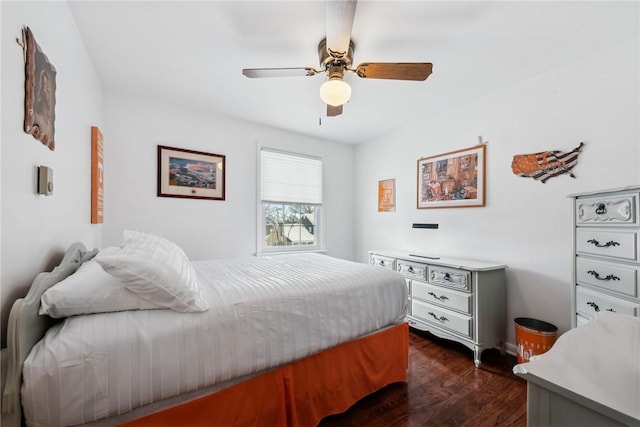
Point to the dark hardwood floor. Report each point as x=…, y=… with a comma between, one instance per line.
x=444, y=388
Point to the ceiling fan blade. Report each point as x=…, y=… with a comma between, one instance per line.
x=395, y=70
x=279, y=72
x=334, y=111
x=339, y=19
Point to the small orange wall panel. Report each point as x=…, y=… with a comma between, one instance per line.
x=97, y=177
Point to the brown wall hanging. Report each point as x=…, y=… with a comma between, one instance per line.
x=546, y=164
x=40, y=92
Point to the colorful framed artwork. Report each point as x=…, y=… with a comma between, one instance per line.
x=452, y=180
x=190, y=174
x=97, y=177
x=387, y=195
x=40, y=92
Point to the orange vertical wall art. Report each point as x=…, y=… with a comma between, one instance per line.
x=97, y=177
x=387, y=195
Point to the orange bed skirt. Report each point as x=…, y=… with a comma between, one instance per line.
x=301, y=393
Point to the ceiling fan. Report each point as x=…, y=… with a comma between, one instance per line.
x=336, y=56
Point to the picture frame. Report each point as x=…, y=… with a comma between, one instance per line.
x=387, y=195
x=40, y=92
x=97, y=176
x=452, y=180
x=190, y=174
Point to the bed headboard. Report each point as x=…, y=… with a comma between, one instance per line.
x=26, y=327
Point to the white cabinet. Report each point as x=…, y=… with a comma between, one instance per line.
x=459, y=299
x=590, y=378
x=606, y=253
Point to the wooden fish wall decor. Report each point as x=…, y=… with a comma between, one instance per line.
x=546, y=164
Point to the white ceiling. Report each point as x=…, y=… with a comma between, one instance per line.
x=192, y=53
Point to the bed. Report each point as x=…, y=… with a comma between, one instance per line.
x=590, y=377
x=283, y=340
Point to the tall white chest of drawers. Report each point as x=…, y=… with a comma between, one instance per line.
x=458, y=299
x=606, y=248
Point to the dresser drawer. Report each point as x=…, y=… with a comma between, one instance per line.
x=614, y=244
x=412, y=270
x=383, y=261
x=606, y=275
x=448, y=298
x=450, y=277
x=441, y=317
x=589, y=302
x=607, y=210
x=581, y=320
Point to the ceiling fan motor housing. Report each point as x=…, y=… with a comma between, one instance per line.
x=329, y=59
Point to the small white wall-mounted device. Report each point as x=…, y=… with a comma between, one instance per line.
x=45, y=180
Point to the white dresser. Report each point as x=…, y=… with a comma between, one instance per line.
x=458, y=299
x=590, y=377
x=607, y=257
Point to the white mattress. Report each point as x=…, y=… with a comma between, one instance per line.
x=264, y=312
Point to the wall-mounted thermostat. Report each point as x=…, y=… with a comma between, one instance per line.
x=45, y=180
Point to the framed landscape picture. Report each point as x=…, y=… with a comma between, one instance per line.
x=452, y=180
x=190, y=174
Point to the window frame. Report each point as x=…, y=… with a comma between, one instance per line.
x=261, y=247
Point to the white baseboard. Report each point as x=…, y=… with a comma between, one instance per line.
x=511, y=349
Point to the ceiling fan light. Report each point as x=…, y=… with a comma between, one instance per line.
x=335, y=92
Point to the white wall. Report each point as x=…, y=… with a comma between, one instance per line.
x=207, y=229
x=525, y=224
x=36, y=230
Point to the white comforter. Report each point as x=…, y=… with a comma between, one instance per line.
x=264, y=312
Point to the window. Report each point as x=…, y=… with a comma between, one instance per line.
x=291, y=201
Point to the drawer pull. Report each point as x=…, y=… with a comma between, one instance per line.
x=410, y=269
x=381, y=262
x=440, y=319
x=601, y=209
x=596, y=308
x=441, y=298
x=597, y=276
x=606, y=245
x=593, y=305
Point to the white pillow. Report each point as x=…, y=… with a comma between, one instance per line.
x=90, y=290
x=156, y=270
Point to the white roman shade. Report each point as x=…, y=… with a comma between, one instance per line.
x=290, y=178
